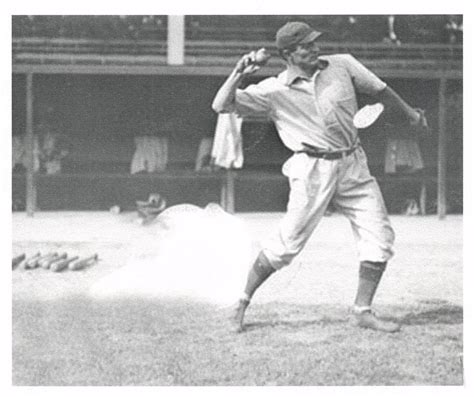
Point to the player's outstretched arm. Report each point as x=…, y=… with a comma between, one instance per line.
x=390, y=98
x=225, y=97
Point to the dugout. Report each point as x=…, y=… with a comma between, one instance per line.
x=97, y=100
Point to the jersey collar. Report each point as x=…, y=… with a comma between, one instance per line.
x=293, y=74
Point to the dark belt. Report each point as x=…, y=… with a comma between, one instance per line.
x=328, y=155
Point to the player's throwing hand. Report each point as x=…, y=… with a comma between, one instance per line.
x=252, y=61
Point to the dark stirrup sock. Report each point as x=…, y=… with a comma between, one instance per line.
x=370, y=274
x=260, y=271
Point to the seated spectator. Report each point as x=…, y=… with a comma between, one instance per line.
x=52, y=152
x=19, y=155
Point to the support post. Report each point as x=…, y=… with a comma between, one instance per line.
x=176, y=39
x=442, y=141
x=423, y=198
x=228, y=191
x=30, y=149
x=224, y=191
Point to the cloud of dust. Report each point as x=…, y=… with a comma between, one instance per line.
x=189, y=252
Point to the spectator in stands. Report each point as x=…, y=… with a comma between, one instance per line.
x=53, y=148
x=353, y=28
x=19, y=154
x=454, y=29
x=53, y=151
x=391, y=36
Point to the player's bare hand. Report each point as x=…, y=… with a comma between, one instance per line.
x=247, y=65
x=252, y=61
x=419, y=119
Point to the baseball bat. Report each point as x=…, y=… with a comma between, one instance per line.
x=45, y=260
x=62, y=264
x=26, y=263
x=55, y=259
x=17, y=260
x=35, y=263
x=83, y=262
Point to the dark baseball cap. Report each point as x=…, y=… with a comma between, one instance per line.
x=293, y=33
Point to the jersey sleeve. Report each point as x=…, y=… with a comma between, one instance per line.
x=365, y=81
x=252, y=101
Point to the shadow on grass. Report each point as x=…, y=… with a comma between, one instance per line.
x=446, y=314
x=294, y=324
x=451, y=314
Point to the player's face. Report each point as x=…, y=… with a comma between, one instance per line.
x=306, y=55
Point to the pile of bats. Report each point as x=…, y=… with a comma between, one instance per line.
x=53, y=261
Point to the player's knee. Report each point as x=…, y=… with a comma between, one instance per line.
x=280, y=251
x=277, y=260
x=379, y=246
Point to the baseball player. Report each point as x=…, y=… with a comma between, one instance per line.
x=312, y=104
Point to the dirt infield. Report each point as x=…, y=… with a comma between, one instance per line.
x=427, y=264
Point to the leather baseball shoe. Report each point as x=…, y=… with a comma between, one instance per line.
x=237, y=319
x=368, y=319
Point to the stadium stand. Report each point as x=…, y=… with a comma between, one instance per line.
x=338, y=28
x=90, y=63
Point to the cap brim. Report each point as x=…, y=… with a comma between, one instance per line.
x=311, y=37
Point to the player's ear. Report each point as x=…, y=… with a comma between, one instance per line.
x=285, y=54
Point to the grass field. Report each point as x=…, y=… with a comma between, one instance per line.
x=82, y=342
x=298, y=329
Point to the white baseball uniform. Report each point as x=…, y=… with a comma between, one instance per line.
x=317, y=113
